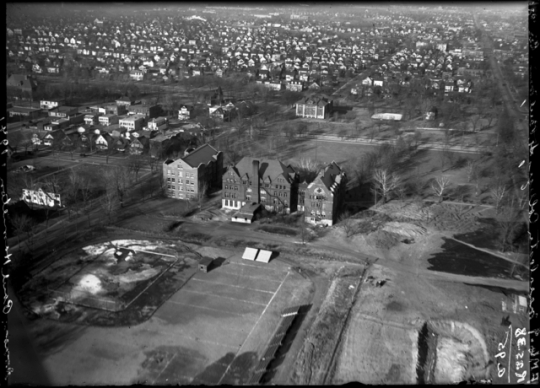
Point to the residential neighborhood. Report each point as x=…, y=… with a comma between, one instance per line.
x=248, y=194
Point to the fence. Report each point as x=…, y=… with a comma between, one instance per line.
x=85, y=298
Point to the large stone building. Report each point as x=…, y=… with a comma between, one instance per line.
x=186, y=177
x=323, y=197
x=267, y=182
x=314, y=107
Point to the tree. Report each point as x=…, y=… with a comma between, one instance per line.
x=22, y=224
x=385, y=182
x=109, y=203
x=439, y=185
x=202, y=192
x=347, y=223
x=134, y=164
x=497, y=193
x=472, y=170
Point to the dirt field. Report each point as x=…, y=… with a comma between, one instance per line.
x=211, y=331
x=381, y=342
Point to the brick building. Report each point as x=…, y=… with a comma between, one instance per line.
x=267, y=182
x=186, y=176
x=322, y=197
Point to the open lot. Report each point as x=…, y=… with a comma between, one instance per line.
x=213, y=330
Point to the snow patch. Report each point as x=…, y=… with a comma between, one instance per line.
x=89, y=283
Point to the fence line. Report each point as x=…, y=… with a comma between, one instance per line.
x=85, y=298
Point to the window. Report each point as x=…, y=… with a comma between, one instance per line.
x=180, y=173
x=236, y=187
x=172, y=179
x=180, y=180
x=285, y=194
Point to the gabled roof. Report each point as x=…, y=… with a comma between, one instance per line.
x=204, y=154
x=269, y=169
x=330, y=176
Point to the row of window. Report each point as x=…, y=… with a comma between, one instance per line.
x=188, y=182
x=318, y=213
x=180, y=188
x=181, y=173
x=230, y=195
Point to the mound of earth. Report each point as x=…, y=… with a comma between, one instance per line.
x=410, y=210
x=451, y=352
x=405, y=229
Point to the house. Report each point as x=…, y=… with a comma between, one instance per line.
x=157, y=124
x=133, y=123
x=295, y=86
x=27, y=113
x=137, y=75
x=185, y=112
x=91, y=119
x=64, y=112
x=44, y=104
x=324, y=196
x=125, y=100
x=138, y=145
x=187, y=176
x=107, y=120
x=104, y=141
x=146, y=110
x=267, y=182
x=314, y=107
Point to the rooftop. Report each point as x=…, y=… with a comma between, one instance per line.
x=204, y=154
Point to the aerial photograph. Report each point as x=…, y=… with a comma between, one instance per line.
x=260, y=193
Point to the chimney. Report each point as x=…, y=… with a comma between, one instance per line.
x=256, y=197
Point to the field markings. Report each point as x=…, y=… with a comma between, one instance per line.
x=232, y=285
x=253, y=328
x=165, y=367
x=226, y=297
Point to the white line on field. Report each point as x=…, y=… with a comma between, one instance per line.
x=165, y=367
x=265, y=267
x=225, y=297
x=253, y=328
x=232, y=285
x=205, y=308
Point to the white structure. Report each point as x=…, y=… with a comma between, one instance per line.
x=39, y=197
x=43, y=104
x=387, y=116
x=133, y=123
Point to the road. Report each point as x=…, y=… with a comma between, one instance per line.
x=516, y=112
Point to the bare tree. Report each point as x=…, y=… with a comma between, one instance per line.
x=347, y=223
x=109, y=203
x=472, y=170
x=202, y=192
x=439, y=185
x=22, y=224
x=135, y=163
x=497, y=193
x=385, y=182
